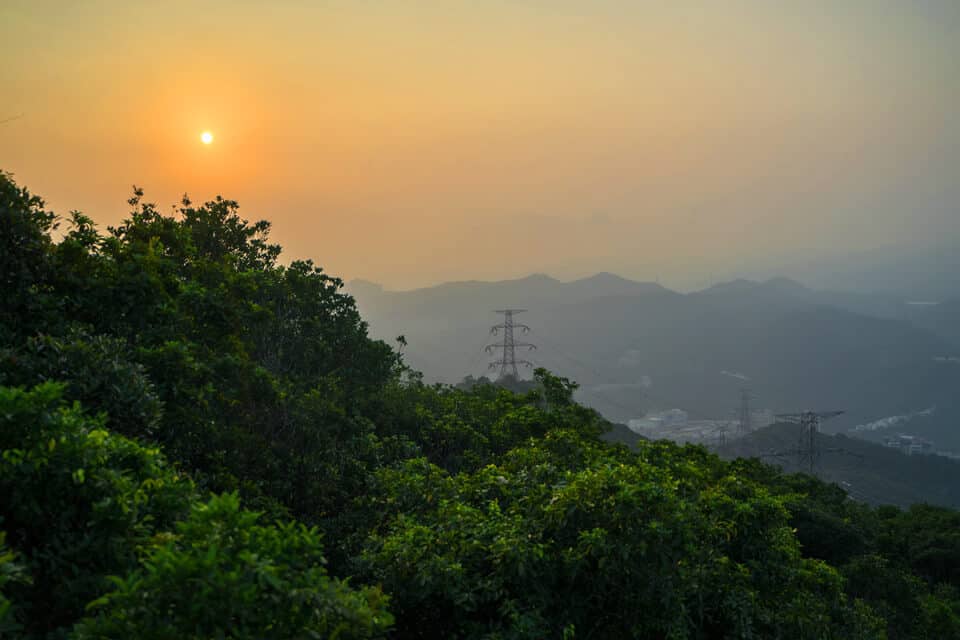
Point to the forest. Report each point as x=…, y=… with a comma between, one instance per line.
x=202, y=441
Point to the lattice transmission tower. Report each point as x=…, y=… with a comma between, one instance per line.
x=507, y=348
x=809, y=449
x=722, y=436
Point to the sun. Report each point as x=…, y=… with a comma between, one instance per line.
x=206, y=137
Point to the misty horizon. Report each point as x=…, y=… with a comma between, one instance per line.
x=393, y=320
x=415, y=144
x=754, y=276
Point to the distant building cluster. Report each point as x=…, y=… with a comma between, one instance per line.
x=910, y=445
x=678, y=419
x=659, y=420
x=763, y=418
x=915, y=445
x=676, y=425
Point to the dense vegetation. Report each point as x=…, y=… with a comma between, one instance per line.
x=199, y=442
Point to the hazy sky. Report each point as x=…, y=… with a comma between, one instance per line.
x=414, y=142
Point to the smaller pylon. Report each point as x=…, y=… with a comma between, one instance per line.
x=721, y=436
x=745, y=414
x=809, y=449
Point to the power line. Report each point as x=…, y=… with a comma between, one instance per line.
x=809, y=449
x=507, y=353
x=474, y=359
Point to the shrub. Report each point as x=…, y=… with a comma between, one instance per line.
x=223, y=575
x=76, y=501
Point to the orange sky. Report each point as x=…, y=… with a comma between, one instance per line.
x=415, y=142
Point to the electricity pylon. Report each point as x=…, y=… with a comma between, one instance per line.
x=508, y=357
x=808, y=449
x=722, y=436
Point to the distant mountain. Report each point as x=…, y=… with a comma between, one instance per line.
x=636, y=346
x=942, y=319
x=939, y=317
x=869, y=472
x=778, y=287
x=607, y=284
x=917, y=273
x=536, y=288
x=462, y=309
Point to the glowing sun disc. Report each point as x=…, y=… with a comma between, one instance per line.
x=206, y=137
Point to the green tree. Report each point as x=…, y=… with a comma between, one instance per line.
x=893, y=592
x=223, y=575
x=570, y=535
x=25, y=264
x=483, y=511
x=77, y=502
x=185, y=331
x=939, y=614
x=98, y=371
x=11, y=572
x=925, y=539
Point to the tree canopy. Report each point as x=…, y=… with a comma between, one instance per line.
x=199, y=441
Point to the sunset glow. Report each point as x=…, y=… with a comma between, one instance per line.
x=646, y=139
x=480, y=319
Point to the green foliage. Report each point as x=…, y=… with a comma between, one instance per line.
x=11, y=572
x=25, y=267
x=939, y=614
x=483, y=511
x=223, y=575
x=463, y=429
x=98, y=371
x=893, y=593
x=76, y=501
x=829, y=525
x=902, y=563
x=184, y=330
x=926, y=539
x=567, y=533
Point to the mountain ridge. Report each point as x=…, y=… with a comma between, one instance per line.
x=868, y=471
x=601, y=277
x=636, y=347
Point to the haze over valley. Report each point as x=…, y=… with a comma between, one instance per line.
x=499, y=320
x=638, y=348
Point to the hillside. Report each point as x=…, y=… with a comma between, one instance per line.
x=942, y=319
x=197, y=441
x=867, y=471
x=639, y=347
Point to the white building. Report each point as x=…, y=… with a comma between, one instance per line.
x=910, y=445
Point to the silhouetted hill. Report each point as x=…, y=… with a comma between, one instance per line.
x=868, y=471
x=608, y=284
x=536, y=288
x=942, y=319
x=636, y=347
x=780, y=287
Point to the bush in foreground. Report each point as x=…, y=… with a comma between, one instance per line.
x=223, y=575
